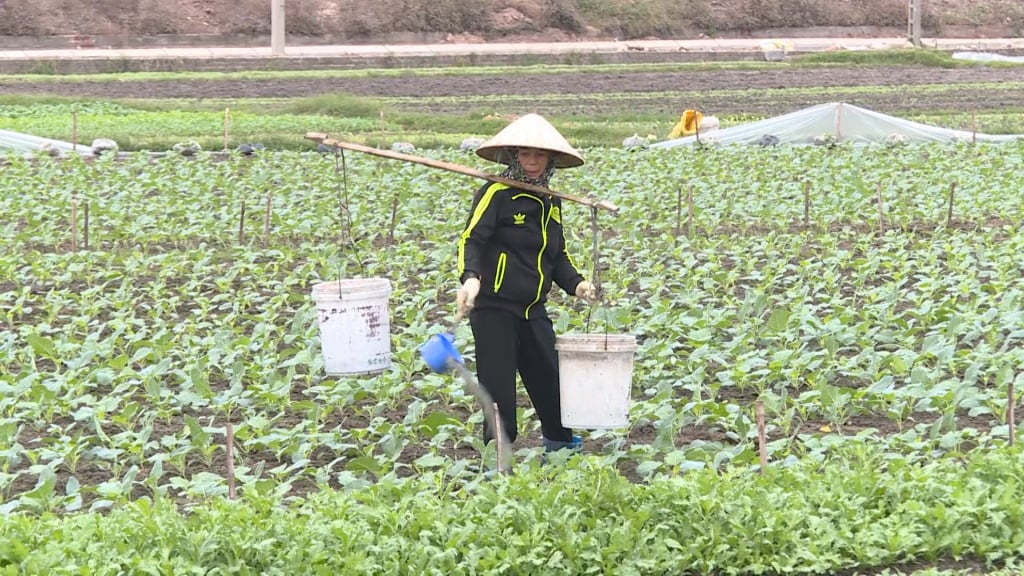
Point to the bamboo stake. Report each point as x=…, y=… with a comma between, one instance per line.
x=85, y=227
x=459, y=169
x=839, y=122
x=241, y=224
x=689, y=211
x=807, y=203
x=230, y=450
x=595, y=255
x=761, y=440
x=227, y=124
x=498, y=438
x=679, y=212
x=383, y=132
x=266, y=220
x=1011, y=418
x=74, y=129
x=394, y=219
x=974, y=127
x=74, y=224
x=696, y=124
x=881, y=210
x=949, y=215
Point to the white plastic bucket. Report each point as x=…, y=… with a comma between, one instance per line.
x=355, y=329
x=595, y=378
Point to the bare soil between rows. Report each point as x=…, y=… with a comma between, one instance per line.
x=961, y=89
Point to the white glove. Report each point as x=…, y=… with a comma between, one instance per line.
x=586, y=291
x=466, y=297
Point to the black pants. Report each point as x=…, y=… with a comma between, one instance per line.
x=506, y=344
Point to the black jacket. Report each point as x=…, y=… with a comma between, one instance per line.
x=513, y=242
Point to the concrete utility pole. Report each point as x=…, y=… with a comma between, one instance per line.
x=914, y=22
x=277, y=27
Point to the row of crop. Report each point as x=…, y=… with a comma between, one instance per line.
x=863, y=511
x=254, y=360
x=923, y=329
x=176, y=201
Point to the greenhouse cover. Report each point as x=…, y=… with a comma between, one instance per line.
x=838, y=122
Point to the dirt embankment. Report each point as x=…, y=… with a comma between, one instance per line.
x=480, y=20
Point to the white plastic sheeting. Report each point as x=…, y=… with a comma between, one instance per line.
x=987, y=57
x=845, y=123
x=18, y=143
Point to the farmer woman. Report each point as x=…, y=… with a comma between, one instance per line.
x=511, y=250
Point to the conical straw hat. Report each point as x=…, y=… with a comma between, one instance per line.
x=530, y=131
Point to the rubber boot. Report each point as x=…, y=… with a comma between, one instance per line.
x=552, y=445
x=556, y=445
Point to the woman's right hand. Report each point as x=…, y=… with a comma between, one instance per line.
x=466, y=297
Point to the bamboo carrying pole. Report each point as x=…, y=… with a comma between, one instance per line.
x=459, y=169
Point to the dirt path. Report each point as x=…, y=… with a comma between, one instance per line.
x=752, y=91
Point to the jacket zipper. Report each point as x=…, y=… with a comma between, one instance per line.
x=544, y=216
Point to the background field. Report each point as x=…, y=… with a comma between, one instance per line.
x=869, y=297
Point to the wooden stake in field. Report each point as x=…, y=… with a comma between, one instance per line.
x=229, y=448
x=394, y=220
x=266, y=220
x=974, y=127
x=679, y=212
x=1011, y=417
x=74, y=129
x=762, y=448
x=383, y=132
x=689, y=212
x=839, y=122
x=595, y=254
x=497, y=439
x=458, y=169
x=85, y=226
x=227, y=124
x=949, y=215
x=241, y=225
x=807, y=203
x=881, y=210
x=74, y=224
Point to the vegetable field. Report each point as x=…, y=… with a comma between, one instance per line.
x=870, y=299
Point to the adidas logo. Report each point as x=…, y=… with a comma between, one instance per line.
x=519, y=218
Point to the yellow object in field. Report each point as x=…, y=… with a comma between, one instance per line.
x=687, y=125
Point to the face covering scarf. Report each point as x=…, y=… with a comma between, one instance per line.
x=515, y=170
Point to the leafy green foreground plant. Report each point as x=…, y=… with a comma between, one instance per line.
x=857, y=512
